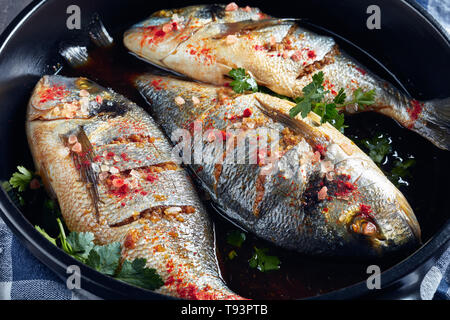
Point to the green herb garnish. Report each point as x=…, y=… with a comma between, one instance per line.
x=21, y=179
x=105, y=259
x=331, y=112
x=137, y=274
x=242, y=81
x=378, y=147
x=400, y=171
x=232, y=254
x=236, y=238
x=264, y=262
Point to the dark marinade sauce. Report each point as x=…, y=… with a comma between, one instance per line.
x=301, y=276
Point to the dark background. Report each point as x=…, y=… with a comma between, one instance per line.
x=10, y=9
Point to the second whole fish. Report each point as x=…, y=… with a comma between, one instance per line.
x=316, y=193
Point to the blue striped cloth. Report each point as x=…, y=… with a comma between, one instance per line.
x=23, y=277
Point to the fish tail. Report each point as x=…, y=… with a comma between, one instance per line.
x=434, y=121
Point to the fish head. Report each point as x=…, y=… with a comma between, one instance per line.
x=160, y=35
x=371, y=212
x=57, y=97
x=355, y=208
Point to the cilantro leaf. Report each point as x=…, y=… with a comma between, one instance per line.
x=340, y=97
x=45, y=234
x=378, y=147
x=20, y=180
x=137, y=274
x=312, y=93
x=242, y=82
x=105, y=259
x=16, y=197
x=264, y=262
x=400, y=171
x=236, y=238
x=81, y=244
x=363, y=98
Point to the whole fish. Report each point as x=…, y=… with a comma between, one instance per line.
x=314, y=191
x=205, y=42
x=111, y=169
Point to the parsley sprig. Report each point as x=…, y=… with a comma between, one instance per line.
x=21, y=179
x=263, y=262
x=380, y=150
x=313, y=99
x=80, y=245
x=105, y=259
x=242, y=81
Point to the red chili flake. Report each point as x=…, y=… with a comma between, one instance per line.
x=175, y=25
x=144, y=193
x=343, y=186
x=52, y=93
x=321, y=148
x=247, y=113
x=199, y=169
x=124, y=156
x=123, y=204
x=363, y=72
x=156, y=84
x=259, y=47
x=224, y=135
x=97, y=158
x=415, y=110
x=311, y=54
x=151, y=178
x=160, y=33
x=110, y=154
x=365, y=211
x=99, y=99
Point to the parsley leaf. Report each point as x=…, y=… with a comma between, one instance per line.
x=379, y=147
x=105, y=258
x=264, y=262
x=331, y=112
x=363, y=98
x=241, y=81
x=81, y=244
x=340, y=97
x=400, y=171
x=137, y=274
x=20, y=180
x=236, y=238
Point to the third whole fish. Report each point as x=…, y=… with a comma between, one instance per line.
x=205, y=42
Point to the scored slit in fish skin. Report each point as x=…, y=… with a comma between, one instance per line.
x=111, y=170
x=319, y=195
x=205, y=42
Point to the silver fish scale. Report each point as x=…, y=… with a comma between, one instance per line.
x=174, y=116
x=170, y=189
x=130, y=156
